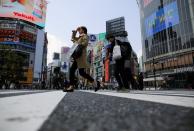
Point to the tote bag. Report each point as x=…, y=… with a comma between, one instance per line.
x=76, y=51
x=117, y=52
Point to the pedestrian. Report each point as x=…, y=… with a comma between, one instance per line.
x=128, y=72
x=66, y=83
x=140, y=81
x=119, y=65
x=80, y=63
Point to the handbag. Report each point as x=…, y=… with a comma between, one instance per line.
x=77, y=52
x=117, y=52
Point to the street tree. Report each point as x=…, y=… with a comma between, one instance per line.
x=11, y=66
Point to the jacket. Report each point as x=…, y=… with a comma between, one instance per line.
x=83, y=40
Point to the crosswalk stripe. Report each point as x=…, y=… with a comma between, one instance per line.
x=164, y=99
x=11, y=92
x=28, y=112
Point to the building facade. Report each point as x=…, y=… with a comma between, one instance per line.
x=22, y=28
x=167, y=28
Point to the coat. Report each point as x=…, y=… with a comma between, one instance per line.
x=126, y=49
x=83, y=40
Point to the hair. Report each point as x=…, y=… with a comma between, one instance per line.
x=84, y=29
x=108, y=36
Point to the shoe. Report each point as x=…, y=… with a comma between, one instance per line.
x=69, y=89
x=118, y=88
x=96, y=89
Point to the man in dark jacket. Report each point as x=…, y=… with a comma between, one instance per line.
x=119, y=66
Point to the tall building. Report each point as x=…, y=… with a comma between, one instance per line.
x=22, y=28
x=167, y=28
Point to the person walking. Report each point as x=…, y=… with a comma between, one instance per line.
x=119, y=66
x=140, y=81
x=81, y=62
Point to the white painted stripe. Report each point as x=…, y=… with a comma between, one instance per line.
x=27, y=112
x=16, y=92
x=172, y=100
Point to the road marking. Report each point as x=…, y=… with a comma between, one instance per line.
x=17, y=91
x=165, y=99
x=27, y=112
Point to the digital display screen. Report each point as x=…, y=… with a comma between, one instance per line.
x=162, y=19
x=33, y=11
x=147, y=2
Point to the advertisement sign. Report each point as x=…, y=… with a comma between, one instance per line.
x=162, y=19
x=102, y=36
x=146, y=2
x=93, y=39
x=33, y=11
x=8, y=25
x=107, y=66
x=64, y=50
x=8, y=36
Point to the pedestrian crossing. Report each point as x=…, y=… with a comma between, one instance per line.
x=11, y=93
x=176, y=98
x=27, y=112
x=20, y=91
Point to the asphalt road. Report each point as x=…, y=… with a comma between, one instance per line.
x=81, y=111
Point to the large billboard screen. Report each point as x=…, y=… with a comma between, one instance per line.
x=162, y=19
x=33, y=11
x=146, y=2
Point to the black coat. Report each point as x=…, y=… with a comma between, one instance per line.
x=126, y=49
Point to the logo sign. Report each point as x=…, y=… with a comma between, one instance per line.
x=92, y=38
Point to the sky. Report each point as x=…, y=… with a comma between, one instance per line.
x=63, y=16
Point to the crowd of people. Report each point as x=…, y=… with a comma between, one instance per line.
x=122, y=71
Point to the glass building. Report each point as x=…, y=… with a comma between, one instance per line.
x=167, y=28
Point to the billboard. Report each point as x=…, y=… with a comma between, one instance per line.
x=162, y=19
x=107, y=70
x=146, y=2
x=33, y=11
x=64, y=50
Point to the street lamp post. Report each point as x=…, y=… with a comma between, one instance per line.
x=154, y=70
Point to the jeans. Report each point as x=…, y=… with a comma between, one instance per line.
x=120, y=75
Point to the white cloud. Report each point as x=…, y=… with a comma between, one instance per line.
x=54, y=45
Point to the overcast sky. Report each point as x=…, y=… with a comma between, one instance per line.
x=65, y=15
